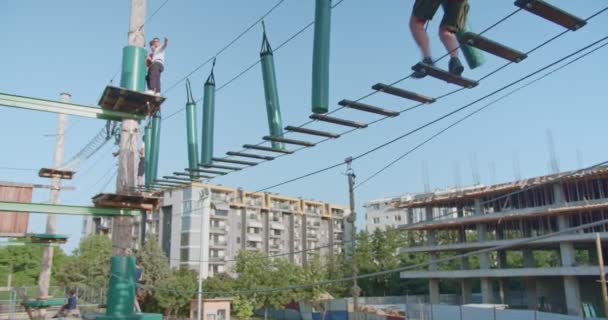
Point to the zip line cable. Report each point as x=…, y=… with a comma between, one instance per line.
x=437, y=119
x=17, y=169
x=511, y=244
x=472, y=114
x=233, y=41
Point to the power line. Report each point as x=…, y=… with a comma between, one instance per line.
x=223, y=49
x=389, y=271
x=437, y=119
x=390, y=164
x=17, y=169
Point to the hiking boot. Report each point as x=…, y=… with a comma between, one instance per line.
x=455, y=66
x=420, y=75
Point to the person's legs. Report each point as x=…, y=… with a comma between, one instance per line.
x=423, y=11
x=453, y=20
x=154, y=75
x=420, y=35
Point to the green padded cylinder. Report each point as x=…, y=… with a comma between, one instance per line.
x=121, y=292
x=208, y=115
x=147, y=147
x=320, y=57
x=192, y=132
x=473, y=56
x=133, y=76
x=273, y=108
x=155, y=144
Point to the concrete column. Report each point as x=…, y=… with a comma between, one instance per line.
x=487, y=293
x=573, y=296
x=431, y=241
x=593, y=258
x=528, y=256
x=434, y=291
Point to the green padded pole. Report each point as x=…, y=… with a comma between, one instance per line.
x=208, y=114
x=133, y=75
x=192, y=132
x=155, y=142
x=473, y=56
x=273, y=108
x=147, y=148
x=121, y=291
x=320, y=57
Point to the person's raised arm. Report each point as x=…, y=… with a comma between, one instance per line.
x=165, y=44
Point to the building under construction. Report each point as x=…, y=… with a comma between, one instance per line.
x=555, y=274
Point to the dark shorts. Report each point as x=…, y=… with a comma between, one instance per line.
x=454, y=17
x=141, y=167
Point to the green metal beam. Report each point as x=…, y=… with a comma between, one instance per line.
x=65, y=209
x=14, y=101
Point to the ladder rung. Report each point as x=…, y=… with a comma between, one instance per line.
x=289, y=141
x=216, y=166
x=170, y=181
x=368, y=108
x=444, y=75
x=552, y=13
x=493, y=47
x=402, y=93
x=249, y=155
x=263, y=148
x=312, y=132
x=339, y=121
x=206, y=171
x=198, y=176
x=245, y=163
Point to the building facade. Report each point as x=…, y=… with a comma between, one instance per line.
x=205, y=226
x=558, y=273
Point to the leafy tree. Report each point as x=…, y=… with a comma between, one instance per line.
x=24, y=262
x=219, y=283
x=90, y=265
x=176, y=300
x=156, y=269
x=242, y=308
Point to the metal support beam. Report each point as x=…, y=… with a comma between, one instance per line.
x=9, y=100
x=64, y=209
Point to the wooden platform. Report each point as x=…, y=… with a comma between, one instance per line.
x=134, y=102
x=51, y=173
x=48, y=238
x=127, y=200
x=444, y=75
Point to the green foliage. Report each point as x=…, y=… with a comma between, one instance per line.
x=176, y=300
x=219, y=283
x=90, y=265
x=24, y=261
x=156, y=269
x=242, y=308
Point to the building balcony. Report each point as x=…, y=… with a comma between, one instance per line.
x=277, y=226
x=217, y=260
x=218, y=230
x=254, y=223
x=218, y=243
x=254, y=237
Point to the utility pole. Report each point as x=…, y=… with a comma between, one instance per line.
x=46, y=264
x=352, y=219
x=205, y=213
x=600, y=259
x=122, y=240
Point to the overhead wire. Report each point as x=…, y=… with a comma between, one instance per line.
x=390, y=164
x=17, y=169
x=435, y=120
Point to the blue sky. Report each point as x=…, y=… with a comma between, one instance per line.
x=75, y=46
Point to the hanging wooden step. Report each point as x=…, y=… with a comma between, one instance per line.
x=263, y=148
x=342, y=122
x=168, y=181
x=127, y=201
x=552, y=13
x=51, y=173
x=221, y=173
x=402, y=93
x=249, y=155
x=245, y=163
x=368, y=108
x=492, y=47
x=444, y=75
x=48, y=238
x=221, y=167
x=134, y=102
x=198, y=176
x=312, y=132
x=177, y=179
x=289, y=141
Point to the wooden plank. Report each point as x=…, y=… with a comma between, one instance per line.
x=492, y=47
x=249, y=155
x=552, y=13
x=15, y=222
x=245, y=163
x=402, y=93
x=444, y=75
x=289, y=141
x=263, y=148
x=342, y=122
x=368, y=108
x=312, y=132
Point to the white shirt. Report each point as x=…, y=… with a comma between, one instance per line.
x=158, y=55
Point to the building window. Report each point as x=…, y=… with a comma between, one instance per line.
x=185, y=239
x=184, y=255
x=219, y=212
x=376, y=220
x=397, y=218
x=238, y=240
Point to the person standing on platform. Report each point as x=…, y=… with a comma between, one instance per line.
x=453, y=20
x=156, y=62
x=139, y=271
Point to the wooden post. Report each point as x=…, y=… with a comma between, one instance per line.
x=44, y=278
x=600, y=259
x=122, y=239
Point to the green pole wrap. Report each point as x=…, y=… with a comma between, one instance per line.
x=133, y=75
x=320, y=57
x=154, y=152
x=473, y=56
x=273, y=108
x=147, y=148
x=192, y=132
x=121, y=292
x=208, y=114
